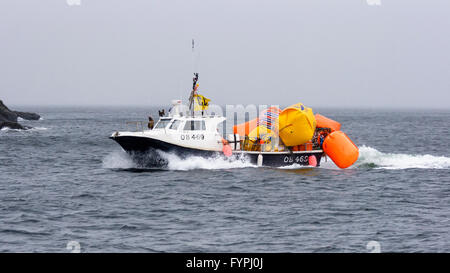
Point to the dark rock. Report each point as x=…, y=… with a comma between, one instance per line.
x=8, y=118
x=27, y=116
x=6, y=114
x=13, y=125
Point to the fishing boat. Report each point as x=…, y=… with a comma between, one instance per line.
x=276, y=138
x=198, y=135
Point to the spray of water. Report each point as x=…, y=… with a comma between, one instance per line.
x=162, y=160
x=118, y=160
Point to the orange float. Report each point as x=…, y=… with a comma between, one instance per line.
x=341, y=149
x=244, y=129
x=324, y=122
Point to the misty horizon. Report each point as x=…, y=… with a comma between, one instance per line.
x=132, y=53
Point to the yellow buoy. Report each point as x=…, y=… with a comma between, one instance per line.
x=262, y=139
x=261, y=132
x=296, y=125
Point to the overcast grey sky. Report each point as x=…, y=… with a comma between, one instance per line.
x=342, y=53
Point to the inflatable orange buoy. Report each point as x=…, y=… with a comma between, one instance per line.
x=245, y=128
x=324, y=122
x=341, y=149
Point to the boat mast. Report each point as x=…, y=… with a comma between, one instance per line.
x=194, y=85
x=193, y=93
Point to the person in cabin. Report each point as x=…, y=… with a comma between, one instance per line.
x=161, y=113
x=151, y=123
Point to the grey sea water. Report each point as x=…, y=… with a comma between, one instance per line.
x=66, y=181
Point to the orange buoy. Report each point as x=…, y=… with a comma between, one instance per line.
x=341, y=149
x=245, y=128
x=324, y=122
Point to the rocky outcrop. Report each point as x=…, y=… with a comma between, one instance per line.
x=27, y=116
x=6, y=114
x=8, y=118
x=12, y=125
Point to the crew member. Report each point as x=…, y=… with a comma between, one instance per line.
x=151, y=123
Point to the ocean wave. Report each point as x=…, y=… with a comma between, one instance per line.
x=38, y=129
x=372, y=158
x=21, y=119
x=7, y=129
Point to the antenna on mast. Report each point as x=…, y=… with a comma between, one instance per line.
x=194, y=85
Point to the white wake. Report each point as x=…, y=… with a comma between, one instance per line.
x=368, y=157
x=394, y=161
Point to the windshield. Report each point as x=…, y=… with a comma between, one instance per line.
x=175, y=124
x=162, y=123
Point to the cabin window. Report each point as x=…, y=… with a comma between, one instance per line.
x=162, y=123
x=194, y=125
x=175, y=124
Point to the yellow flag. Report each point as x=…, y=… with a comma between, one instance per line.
x=200, y=103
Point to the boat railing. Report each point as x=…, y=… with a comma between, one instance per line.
x=140, y=125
